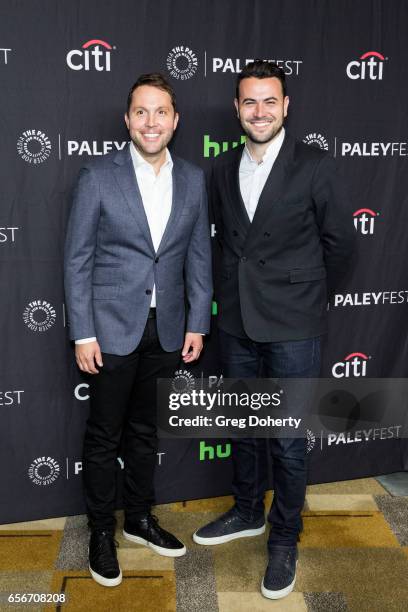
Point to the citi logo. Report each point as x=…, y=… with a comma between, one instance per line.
x=98, y=58
x=213, y=148
x=369, y=66
x=364, y=221
x=354, y=365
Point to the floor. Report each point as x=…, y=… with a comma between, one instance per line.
x=353, y=555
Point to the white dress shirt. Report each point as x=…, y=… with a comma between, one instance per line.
x=157, y=194
x=253, y=175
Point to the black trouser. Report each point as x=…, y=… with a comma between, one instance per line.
x=244, y=358
x=123, y=406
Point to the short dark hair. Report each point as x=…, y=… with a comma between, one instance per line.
x=154, y=79
x=261, y=69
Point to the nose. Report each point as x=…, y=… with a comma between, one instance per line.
x=151, y=120
x=258, y=109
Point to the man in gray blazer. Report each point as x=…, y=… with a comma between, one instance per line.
x=137, y=250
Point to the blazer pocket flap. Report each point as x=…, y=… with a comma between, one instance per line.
x=103, y=275
x=105, y=292
x=307, y=274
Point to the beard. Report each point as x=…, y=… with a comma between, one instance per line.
x=262, y=138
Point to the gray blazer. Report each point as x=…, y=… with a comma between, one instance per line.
x=111, y=265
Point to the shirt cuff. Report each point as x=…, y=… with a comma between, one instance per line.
x=85, y=340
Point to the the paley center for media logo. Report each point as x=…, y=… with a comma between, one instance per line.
x=34, y=147
x=44, y=471
x=95, y=54
x=369, y=66
x=39, y=315
x=317, y=140
x=182, y=63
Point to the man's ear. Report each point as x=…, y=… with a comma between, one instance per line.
x=176, y=120
x=285, y=105
x=236, y=104
x=127, y=120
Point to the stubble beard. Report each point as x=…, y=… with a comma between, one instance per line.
x=263, y=139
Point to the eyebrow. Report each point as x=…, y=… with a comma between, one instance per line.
x=264, y=100
x=146, y=109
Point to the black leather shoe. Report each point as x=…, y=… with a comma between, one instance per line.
x=103, y=561
x=147, y=531
x=227, y=527
x=280, y=575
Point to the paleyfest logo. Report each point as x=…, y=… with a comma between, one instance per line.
x=236, y=64
x=364, y=221
x=93, y=55
x=369, y=66
x=34, y=147
x=317, y=140
x=354, y=365
x=44, y=471
x=182, y=63
x=39, y=315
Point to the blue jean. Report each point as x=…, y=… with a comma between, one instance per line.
x=244, y=358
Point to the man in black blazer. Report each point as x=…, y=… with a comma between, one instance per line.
x=286, y=236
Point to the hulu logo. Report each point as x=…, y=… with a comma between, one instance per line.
x=209, y=452
x=212, y=149
x=214, y=309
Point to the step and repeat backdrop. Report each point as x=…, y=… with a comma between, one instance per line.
x=65, y=70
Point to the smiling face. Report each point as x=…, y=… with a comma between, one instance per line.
x=261, y=108
x=151, y=121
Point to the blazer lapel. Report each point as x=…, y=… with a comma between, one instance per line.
x=231, y=178
x=274, y=186
x=178, y=201
x=126, y=178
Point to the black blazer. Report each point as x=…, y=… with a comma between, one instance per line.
x=276, y=273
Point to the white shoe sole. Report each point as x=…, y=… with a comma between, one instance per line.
x=248, y=533
x=278, y=594
x=165, y=552
x=107, y=582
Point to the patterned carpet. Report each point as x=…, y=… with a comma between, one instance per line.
x=353, y=556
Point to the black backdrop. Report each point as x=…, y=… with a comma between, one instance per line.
x=65, y=70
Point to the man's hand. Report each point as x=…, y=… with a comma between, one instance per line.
x=87, y=355
x=193, y=345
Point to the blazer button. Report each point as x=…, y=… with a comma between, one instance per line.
x=148, y=291
x=235, y=233
x=267, y=234
x=262, y=262
x=243, y=259
x=156, y=260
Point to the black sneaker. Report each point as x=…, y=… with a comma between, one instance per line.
x=280, y=575
x=103, y=561
x=147, y=531
x=227, y=527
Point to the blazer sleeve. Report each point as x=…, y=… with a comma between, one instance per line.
x=197, y=270
x=335, y=221
x=80, y=245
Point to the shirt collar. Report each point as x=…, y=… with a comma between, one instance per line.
x=272, y=150
x=139, y=161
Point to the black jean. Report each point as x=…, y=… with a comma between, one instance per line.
x=123, y=408
x=244, y=358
